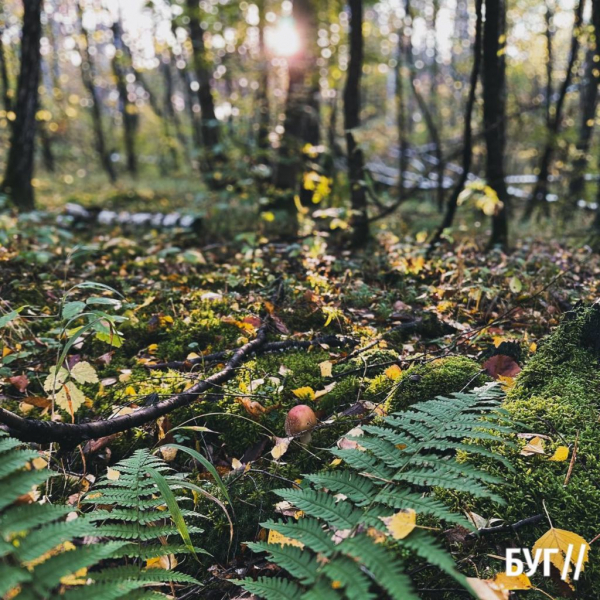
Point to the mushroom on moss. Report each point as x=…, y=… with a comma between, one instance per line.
x=300, y=421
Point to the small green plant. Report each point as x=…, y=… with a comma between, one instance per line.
x=359, y=521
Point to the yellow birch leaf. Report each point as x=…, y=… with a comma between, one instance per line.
x=77, y=578
x=401, y=524
x=507, y=383
x=560, y=455
x=393, y=372
x=326, y=367
x=486, y=589
x=39, y=463
x=532, y=347
x=304, y=393
x=277, y=538
x=561, y=540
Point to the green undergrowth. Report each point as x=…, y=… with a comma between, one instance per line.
x=556, y=395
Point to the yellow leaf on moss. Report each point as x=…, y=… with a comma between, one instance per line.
x=393, y=372
x=281, y=447
x=326, y=367
x=304, y=393
x=535, y=446
x=560, y=455
x=507, y=383
x=569, y=545
x=401, y=524
x=83, y=372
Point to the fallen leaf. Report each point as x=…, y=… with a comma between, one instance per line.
x=20, y=382
x=304, y=393
x=326, y=368
x=512, y=582
x=281, y=447
x=501, y=364
x=112, y=474
x=515, y=285
x=535, y=446
x=277, y=538
x=325, y=390
x=393, y=372
x=401, y=524
x=560, y=539
x=560, y=454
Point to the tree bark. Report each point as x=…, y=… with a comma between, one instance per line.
x=88, y=75
x=589, y=103
x=209, y=123
x=263, y=89
x=20, y=163
x=358, y=197
x=301, y=123
x=6, y=91
x=540, y=191
x=127, y=108
x=494, y=111
x=467, y=156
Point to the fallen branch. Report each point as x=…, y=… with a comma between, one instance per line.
x=332, y=341
x=506, y=528
x=70, y=435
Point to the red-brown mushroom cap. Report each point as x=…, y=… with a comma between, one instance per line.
x=300, y=419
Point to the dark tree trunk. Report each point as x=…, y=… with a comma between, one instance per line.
x=20, y=163
x=301, y=124
x=170, y=111
x=6, y=92
x=403, y=141
x=127, y=108
x=88, y=75
x=494, y=111
x=540, y=191
x=358, y=197
x=549, y=15
x=467, y=156
x=589, y=103
x=263, y=88
x=210, y=125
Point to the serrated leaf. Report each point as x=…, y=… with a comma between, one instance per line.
x=83, y=372
x=55, y=379
x=69, y=398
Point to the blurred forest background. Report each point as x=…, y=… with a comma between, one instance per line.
x=332, y=116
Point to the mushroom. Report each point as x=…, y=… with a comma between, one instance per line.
x=300, y=421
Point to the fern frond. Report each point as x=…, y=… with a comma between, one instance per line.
x=397, y=465
x=273, y=588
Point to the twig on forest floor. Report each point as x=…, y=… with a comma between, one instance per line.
x=505, y=528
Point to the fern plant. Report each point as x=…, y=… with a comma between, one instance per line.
x=342, y=547
x=139, y=509
x=41, y=551
x=37, y=549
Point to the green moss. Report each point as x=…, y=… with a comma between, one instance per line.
x=557, y=394
x=440, y=377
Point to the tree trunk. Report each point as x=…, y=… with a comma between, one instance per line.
x=358, y=197
x=589, y=103
x=263, y=88
x=494, y=111
x=6, y=91
x=540, y=191
x=209, y=123
x=127, y=108
x=549, y=16
x=20, y=163
x=403, y=141
x=301, y=124
x=88, y=75
x=467, y=156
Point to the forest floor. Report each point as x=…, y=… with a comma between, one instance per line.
x=175, y=301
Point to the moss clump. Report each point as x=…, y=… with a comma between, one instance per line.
x=440, y=377
x=557, y=394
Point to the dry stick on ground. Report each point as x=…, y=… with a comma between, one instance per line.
x=333, y=341
x=70, y=435
x=506, y=528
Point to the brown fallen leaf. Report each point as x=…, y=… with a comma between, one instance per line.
x=501, y=364
x=20, y=382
